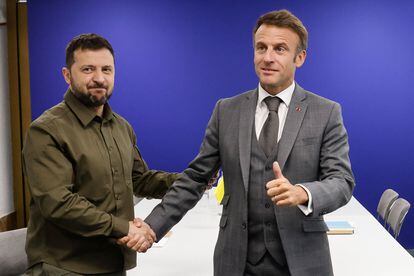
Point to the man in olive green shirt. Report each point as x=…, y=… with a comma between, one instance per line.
x=82, y=166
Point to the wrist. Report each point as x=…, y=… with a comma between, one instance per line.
x=303, y=195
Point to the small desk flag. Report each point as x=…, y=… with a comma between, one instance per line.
x=219, y=191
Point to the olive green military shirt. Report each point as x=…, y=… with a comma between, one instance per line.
x=82, y=171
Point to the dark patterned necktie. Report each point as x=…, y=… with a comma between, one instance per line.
x=268, y=135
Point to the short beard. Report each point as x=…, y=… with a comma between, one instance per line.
x=90, y=100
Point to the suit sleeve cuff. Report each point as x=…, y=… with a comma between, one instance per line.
x=157, y=225
x=120, y=227
x=306, y=209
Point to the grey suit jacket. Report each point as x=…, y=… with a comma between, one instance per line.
x=312, y=151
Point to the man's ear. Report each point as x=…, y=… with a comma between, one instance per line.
x=66, y=75
x=300, y=58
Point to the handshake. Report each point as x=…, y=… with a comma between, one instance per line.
x=140, y=236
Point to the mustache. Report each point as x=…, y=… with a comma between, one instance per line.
x=97, y=85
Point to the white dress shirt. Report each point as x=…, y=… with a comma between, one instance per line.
x=261, y=116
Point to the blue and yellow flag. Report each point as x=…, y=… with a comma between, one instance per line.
x=219, y=191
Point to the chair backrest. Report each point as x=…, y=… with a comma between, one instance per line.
x=13, y=258
x=397, y=214
x=384, y=205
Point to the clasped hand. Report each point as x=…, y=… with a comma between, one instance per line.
x=140, y=236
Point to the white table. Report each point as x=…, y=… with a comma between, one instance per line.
x=371, y=250
x=189, y=250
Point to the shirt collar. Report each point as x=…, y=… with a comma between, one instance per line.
x=285, y=95
x=85, y=114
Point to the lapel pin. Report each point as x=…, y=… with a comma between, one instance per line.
x=298, y=109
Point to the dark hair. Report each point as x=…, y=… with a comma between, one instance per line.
x=86, y=42
x=285, y=19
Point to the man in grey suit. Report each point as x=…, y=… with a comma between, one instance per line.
x=284, y=156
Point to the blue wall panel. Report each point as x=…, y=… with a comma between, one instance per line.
x=175, y=59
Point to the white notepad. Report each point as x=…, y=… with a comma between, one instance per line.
x=339, y=227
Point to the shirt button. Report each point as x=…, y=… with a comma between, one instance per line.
x=268, y=224
x=117, y=197
x=269, y=167
x=244, y=225
x=110, y=148
x=267, y=205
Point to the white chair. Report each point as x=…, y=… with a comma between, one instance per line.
x=384, y=206
x=397, y=214
x=13, y=258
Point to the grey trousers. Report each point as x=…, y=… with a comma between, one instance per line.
x=44, y=269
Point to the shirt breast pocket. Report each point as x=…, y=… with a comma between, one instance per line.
x=127, y=156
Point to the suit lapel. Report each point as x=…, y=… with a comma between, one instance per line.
x=247, y=115
x=294, y=118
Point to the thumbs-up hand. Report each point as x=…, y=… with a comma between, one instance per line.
x=282, y=192
x=277, y=171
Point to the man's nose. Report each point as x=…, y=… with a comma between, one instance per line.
x=269, y=56
x=98, y=77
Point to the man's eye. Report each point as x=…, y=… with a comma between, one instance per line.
x=280, y=49
x=87, y=70
x=107, y=70
x=260, y=48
